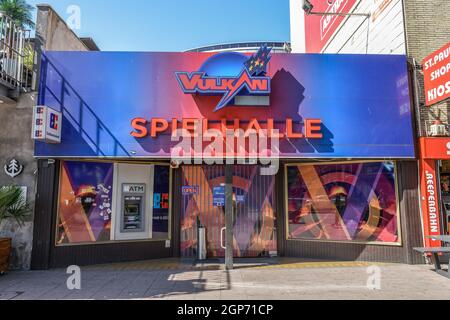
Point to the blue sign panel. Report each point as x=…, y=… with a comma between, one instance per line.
x=325, y=106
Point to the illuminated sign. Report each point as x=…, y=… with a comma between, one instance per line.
x=189, y=190
x=321, y=106
x=250, y=80
x=311, y=128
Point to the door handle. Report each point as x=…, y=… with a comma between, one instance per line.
x=221, y=238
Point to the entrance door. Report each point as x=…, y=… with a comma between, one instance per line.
x=255, y=217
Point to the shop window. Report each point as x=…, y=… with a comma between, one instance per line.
x=85, y=202
x=161, y=203
x=104, y=202
x=343, y=202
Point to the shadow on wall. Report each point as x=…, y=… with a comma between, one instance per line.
x=287, y=95
x=83, y=131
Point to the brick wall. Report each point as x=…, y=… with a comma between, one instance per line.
x=427, y=29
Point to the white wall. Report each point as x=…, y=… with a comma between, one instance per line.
x=386, y=29
x=297, y=26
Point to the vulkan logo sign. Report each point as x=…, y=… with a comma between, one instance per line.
x=252, y=79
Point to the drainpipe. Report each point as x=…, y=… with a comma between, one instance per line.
x=416, y=92
x=229, y=216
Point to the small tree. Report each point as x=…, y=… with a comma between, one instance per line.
x=13, y=205
x=20, y=11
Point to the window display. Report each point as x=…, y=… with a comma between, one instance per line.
x=343, y=202
x=161, y=201
x=85, y=202
x=141, y=200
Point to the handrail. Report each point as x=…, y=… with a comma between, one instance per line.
x=13, y=39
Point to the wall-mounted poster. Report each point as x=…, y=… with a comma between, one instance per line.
x=85, y=196
x=161, y=190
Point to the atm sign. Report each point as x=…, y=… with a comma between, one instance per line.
x=134, y=188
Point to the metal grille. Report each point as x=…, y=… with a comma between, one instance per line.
x=16, y=51
x=255, y=217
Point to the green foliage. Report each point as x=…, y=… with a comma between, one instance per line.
x=20, y=11
x=13, y=205
x=28, y=51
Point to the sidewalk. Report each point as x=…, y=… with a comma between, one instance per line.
x=172, y=279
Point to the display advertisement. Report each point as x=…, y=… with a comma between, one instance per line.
x=343, y=202
x=84, y=206
x=436, y=73
x=134, y=104
x=319, y=29
x=161, y=200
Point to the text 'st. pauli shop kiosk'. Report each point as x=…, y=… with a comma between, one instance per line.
x=346, y=187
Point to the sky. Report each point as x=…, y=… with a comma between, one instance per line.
x=175, y=25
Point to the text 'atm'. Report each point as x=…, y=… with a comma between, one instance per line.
x=133, y=208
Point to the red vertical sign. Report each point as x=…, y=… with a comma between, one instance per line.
x=436, y=73
x=320, y=28
x=429, y=201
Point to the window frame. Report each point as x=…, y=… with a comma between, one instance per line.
x=399, y=243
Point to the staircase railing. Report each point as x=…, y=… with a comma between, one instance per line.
x=16, y=54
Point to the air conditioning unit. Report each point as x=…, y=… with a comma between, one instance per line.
x=438, y=130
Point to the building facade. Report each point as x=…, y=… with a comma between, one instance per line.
x=354, y=143
x=419, y=30
x=129, y=180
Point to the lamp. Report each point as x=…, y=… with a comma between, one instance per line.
x=308, y=8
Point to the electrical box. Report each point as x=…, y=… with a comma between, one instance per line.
x=133, y=208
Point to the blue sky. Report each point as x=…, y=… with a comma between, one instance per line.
x=176, y=25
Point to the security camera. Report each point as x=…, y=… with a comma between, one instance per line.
x=307, y=7
x=175, y=164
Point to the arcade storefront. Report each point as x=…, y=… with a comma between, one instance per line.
x=335, y=130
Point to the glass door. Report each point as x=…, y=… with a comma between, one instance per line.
x=254, y=219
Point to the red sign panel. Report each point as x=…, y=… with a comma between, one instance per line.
x=320, y=28
x=436, y=69
x=435, y=148
x=429, y=202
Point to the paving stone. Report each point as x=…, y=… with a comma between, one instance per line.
x=343, y=282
